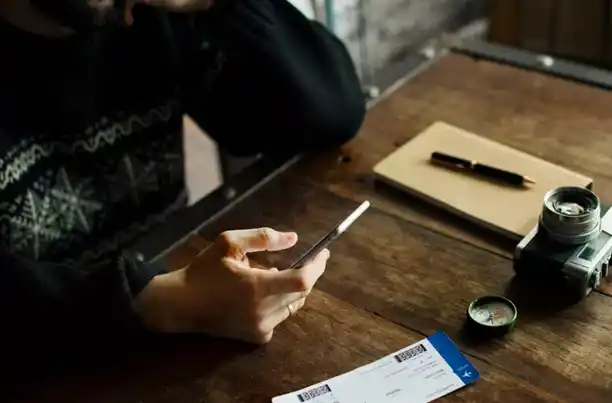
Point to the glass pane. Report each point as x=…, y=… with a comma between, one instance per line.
x=385, y=37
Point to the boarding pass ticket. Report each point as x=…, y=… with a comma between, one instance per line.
x=419, y=373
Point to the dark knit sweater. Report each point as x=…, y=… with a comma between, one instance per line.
x=91, y=151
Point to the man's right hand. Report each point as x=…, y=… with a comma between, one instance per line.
x=222, y=295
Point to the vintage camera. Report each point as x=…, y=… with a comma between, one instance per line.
x=571, y=244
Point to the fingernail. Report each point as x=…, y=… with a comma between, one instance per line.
x=326, y=253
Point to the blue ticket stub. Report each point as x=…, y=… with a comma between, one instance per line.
x=420, y=373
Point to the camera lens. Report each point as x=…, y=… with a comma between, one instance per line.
x=571, y=215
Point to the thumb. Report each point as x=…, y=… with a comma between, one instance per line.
x=258, y=240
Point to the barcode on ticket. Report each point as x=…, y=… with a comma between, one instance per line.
x=314, y=392
x=410, y=353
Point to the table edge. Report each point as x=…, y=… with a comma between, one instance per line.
x=177, y=228
x=532, y=61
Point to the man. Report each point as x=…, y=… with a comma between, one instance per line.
x=93, y=95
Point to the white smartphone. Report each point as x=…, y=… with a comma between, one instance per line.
x=331, y=236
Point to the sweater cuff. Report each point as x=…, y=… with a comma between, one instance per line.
x=140, y=273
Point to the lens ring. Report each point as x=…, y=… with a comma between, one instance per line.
x=571, y=215
x=572, y=203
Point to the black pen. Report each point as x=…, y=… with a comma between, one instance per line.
x=476, y=167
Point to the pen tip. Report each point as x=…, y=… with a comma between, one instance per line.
x=527, y=179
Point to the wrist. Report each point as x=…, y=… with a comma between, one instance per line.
x=160, y=304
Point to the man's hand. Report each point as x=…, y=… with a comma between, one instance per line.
x=222, y=295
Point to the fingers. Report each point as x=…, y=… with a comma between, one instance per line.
x=241, y=242
x=292, y=308
x=296, y=280
x=289, y=289
x=284, y=313
x=284, y=300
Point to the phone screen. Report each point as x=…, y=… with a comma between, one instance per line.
x=331, y=236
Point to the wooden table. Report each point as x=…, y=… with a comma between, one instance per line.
x=405, y=269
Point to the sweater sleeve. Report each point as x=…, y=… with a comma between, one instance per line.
x=58, y=311
x=284, y=82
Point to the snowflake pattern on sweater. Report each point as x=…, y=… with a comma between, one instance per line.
x=78, y=199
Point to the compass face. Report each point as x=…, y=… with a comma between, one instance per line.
x=493, y=313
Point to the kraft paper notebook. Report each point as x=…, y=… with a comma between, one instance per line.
x=511, y=211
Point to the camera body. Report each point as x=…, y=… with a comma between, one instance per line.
x=571, y=245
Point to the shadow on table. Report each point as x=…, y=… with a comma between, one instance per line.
x=132, y=372
x=535, y=301
x=430, y=210
x=539, y=300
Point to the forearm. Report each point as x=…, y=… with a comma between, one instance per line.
x=286, y=83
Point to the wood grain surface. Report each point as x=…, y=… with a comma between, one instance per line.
x=328, y=337
x=560, y=121
x=404, y=270
x=424, y=281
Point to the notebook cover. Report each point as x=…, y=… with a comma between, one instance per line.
x=510, y=211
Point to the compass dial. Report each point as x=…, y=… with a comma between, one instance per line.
x=493, y=313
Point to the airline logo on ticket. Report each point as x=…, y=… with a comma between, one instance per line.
x=419, y=373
